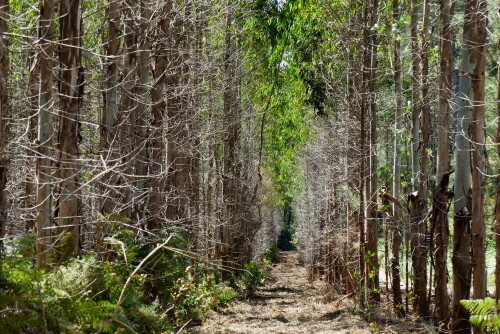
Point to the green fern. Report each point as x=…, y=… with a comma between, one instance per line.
x=484, y=313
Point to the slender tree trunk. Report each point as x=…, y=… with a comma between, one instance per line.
x=439, y=208
x=497, y=204
x=70, y=85
x=372, y=267
x=128, y=105
x=140, y=115
x=418, y=213
x=230, y=175
x=396, y=185
x=461, y=227
x=361, y=213
x=45, y=106
x=158, y=108
x=478, y=228
x=4, y=120
x=109, y=121
x=416, y=102
x=177, y=134
x=30, y=180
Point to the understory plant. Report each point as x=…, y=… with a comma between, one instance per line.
x=484, y=314
x=139, y=288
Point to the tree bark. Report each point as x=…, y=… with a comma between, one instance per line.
x=372, y=267
x=140, y=115
x=461, y=230
x=440, y=217
x=478, y=228
x=158, y=113
x=418, y=213
x=70, y=85
x=4, y=120
x=230, y=177
x=396, y=184
x=45, y=105
x=109, y=122
x=497, y=204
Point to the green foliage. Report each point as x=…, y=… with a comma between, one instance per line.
x=271, y=255
x=253, y=276
x=83, y=295
x=484, y=314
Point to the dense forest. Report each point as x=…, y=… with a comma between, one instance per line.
x=156, y=155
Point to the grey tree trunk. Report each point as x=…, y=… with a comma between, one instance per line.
x=396, y=184
x=70, y=89
x=461, y=259
x=158, y=108
x=45, y=106
x=140, y=115
x=109, y=121
x=497, y=204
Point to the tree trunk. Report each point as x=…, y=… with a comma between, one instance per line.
x=372, y=267
x=461, y=230
x=478, y=228
x=109, y=121
x=140, y=115
x=45, y=105
x=418, y=213
x=4, y=119
x=230, y=177
x=497, y=204
x=70, y=85
x=396, y=185
x=440, y=218
x=158, y=108
x=177, y=135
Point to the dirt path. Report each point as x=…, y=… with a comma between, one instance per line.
x=291, y=304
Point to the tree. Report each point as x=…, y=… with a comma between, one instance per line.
x=370, y=107
x=477, y=60
x=158, y=108
x=109, y=120
x=44, y=140
x=4, y=118
x=420, y=124
x=396, y=184
x=70, y=93
x=440, y=203
x=461, y=225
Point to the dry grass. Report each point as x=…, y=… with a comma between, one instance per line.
x=290, y=304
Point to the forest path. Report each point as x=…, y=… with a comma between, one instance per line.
x=289, y=303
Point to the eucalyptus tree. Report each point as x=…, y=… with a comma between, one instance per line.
x=369, y=108
x=158, y=111
x=109, y=119
x=440, y=203
x=478, y=228
x=70, y=93
x=44, y=140
x=461, y=227
x=4, y=117
x=396, y=184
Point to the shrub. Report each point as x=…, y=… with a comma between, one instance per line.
x=83, y=295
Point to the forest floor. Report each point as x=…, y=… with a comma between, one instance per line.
x=290, y=303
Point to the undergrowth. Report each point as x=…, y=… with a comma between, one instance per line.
x=165, y=290
x=485, y=314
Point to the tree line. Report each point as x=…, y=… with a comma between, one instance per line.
x=349, y=122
